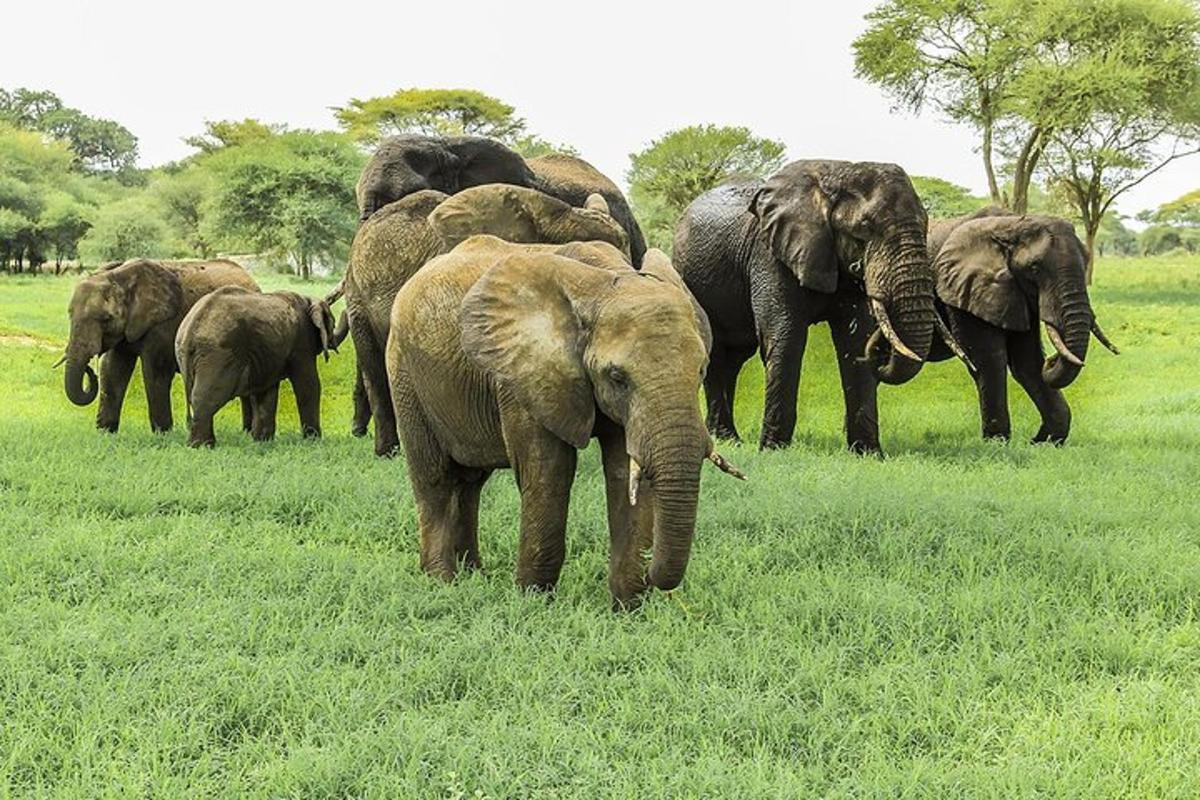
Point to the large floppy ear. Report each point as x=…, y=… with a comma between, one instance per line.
x=525, y=323
x=973, y=275
x=793, y=210
x=153, y=295
x=322, y=319
x=657, y=264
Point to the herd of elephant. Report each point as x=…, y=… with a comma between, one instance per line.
x=506, y=311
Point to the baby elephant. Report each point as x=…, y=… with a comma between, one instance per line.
x=235, y=343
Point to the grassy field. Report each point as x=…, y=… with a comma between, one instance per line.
x=963, y=619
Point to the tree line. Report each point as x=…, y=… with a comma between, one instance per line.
x=1074, y=103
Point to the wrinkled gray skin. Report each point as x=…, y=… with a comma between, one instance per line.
x=507, y=355
x=400, y=238
x=820, y=241
x=406, y=164
x=236, y=343
x=130, y=311
x=998, y=275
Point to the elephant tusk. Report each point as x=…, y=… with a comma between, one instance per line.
x=1098, y=332
x=885, y=325
x=1061, y=347
x=59, y=363
x=952, y=343
x=635, y=478
x=719, y=461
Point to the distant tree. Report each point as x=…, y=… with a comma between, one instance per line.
x=31, y=170
x=63, y=223
x=184, y=197
x=1115, y=238
x=683, y=164
x=129, y=228
x=943, y=199
x=230, y=133
x=99, y=145
x=289, y=195
x=429, y=111
x=1182, y=211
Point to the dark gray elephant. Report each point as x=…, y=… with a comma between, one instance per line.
x=236, y=343
x=820, y=241
x=401, y=237
x=130, y=311
x=997, y=275
x=406, y=164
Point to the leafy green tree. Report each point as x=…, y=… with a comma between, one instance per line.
x=1182, y=211
x=291, y=195
x=429, y=111
x=683, y=164
x=943, y=199
x=63, y=223
x=99, y=145
x=230, y=133
x=184, y=198
x=129, y=228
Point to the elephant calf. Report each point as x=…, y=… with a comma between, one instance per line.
x=502, y=355
x=130, y=311
x=998, y=274
x=236, y=343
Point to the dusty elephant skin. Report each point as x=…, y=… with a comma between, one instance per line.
x=819, y=241
x=131, y=311
x=400, y=238
x=406, y=164
x=998, y=275
x=236, y=343
x=504, y=355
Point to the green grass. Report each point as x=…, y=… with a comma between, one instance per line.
x=963, y=619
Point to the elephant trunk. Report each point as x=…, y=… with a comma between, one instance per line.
x=80, y=350
x=1070, y=341
x=673, y=457
x=899, y=282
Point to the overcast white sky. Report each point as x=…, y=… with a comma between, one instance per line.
x=605, y=76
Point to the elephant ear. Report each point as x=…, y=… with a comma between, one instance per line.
x=153, y=296
x=322, y=319
x=658, y=264
x=596, y=202
x=792, y=210
x=973, y=275
x=524, y=324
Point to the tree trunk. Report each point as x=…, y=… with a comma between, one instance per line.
x=993, y=187
x=1092, y=228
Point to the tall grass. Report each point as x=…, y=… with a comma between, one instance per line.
x=962, y=619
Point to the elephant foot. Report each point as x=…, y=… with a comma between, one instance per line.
x=997, y=436
x=154, y=428
x=311, y=433
x=358, y=429
x=387, y=450
x=767, y=442
x=866, y=449
x=108, y=426
x=1043, y=436
x=206, y=443
x=725, y=433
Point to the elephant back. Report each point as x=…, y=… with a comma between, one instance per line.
x=199, y=278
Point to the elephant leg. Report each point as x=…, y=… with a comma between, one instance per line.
x=157, y=374
x=850, y=330
x=116, y=368
x=720, y=389
x=379, y=394
x=985, y=345
x=630, y=528
x=782, y=354
x=362, y=404
x=1025, y=359
x=200, y=429
x=247, y=414
x=544, y=467
x=306, y=386
x=266, y=404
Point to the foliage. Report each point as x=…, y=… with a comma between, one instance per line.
x=444, y=112
x=231, y=133
x=98, y=144
x=291, y=195
x=943, y=199
x=129, y=228
x=184, y=197
x=683, y=164
x=1114, y=238
x=1182, y=211
x=252, y=621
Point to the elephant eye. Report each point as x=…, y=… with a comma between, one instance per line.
x=617, y=375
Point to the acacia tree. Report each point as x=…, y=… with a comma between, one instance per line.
x=683, y=164
x=99, y=145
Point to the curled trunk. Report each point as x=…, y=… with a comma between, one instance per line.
x=900, y=277
x=1075, y=333
x=73, y=382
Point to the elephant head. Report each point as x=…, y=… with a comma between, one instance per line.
x=565, y=339
x=1006, y=269
x=832, y=221
x=517, y=214
x=117, y=304
x=406, y=164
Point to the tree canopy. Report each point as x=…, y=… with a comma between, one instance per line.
x=98, y=145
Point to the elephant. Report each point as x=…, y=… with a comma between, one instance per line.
x=504, y=355
x=836, y=241
x=129, y=311
x=997, y=274
x=409, y=163
x=400, y=238
x=237, y=343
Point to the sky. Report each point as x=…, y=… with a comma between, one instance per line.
x=607, y=77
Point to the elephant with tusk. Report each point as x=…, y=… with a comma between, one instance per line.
x=998, y=274
x=506, y=355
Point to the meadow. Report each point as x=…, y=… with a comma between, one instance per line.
x=961, y=619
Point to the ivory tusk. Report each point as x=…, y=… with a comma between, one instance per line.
x=635, y=478
x=889, y=332
x=723, y=465
x=59, y=363
x=1098, y=332
x=1061, y=347
x=952, y=343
